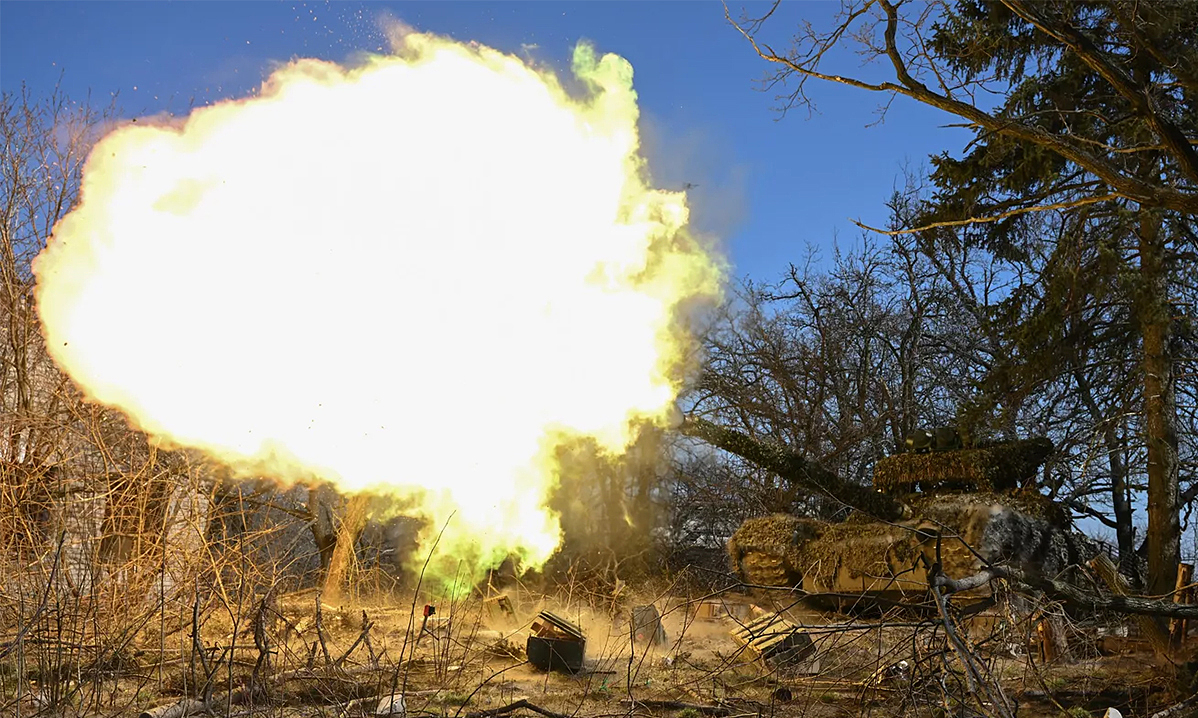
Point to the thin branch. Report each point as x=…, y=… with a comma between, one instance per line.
x=990, y=218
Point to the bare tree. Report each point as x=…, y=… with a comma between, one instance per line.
x=1073, y=105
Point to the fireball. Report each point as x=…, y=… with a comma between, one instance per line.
x=417, y=275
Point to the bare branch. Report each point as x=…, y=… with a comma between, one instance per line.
x=1072, y=204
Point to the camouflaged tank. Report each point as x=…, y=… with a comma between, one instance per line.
x=979, y=503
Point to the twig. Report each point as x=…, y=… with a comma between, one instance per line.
x=973, y=675
x=1072, y=204
x=411, y=615
x=320, y=630
x=62, y=537
x=1185, y=709
x=261, y=642
x=363, y=636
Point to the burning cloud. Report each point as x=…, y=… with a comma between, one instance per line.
x=417, y=275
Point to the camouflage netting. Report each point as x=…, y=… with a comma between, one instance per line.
x=949, y=508
x=1029, y=532
x=993, y=468
x=876, y=558
x=865, y=556
x=765, y=550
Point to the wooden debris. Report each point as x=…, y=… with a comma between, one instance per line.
x=1046, y=644
x=555, y=644
x=1184, y=593
x=775, y=640
x=717, y=610
x=499, y=607
x=551, y=625
x=180, y=709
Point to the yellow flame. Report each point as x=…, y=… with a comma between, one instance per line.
x=415, y=275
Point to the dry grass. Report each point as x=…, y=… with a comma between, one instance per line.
x=236, y=641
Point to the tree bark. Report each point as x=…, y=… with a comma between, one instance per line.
x=794, y=468
x=324, y=503
x=1160, y=429
x=1072, y=594
x=1125, y=530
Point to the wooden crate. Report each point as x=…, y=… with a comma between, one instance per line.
x=775, y=640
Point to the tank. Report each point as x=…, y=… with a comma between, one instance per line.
x=979, y=504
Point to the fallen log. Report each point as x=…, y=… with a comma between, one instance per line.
x=1185, y=709
x=707, y=710
x=1071, y=594
x=513, y=707
x=239, y=695
x=182, y=709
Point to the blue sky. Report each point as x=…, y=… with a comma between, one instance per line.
x=767, y=186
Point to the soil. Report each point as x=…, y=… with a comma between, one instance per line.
x=468, y=661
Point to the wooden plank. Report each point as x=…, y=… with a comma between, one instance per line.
x=549, y=624
x=1046, y=641
x=1183, y=594
x=774, y=639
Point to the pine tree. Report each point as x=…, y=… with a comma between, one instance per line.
x=1083, y=111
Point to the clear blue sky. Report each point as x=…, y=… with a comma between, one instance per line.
x=767, y=187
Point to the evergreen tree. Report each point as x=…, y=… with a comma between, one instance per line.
x=1085, y=112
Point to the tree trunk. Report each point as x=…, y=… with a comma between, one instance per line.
x=1160, y=429
x=342, y=559
x=324, y=503
x=1125, y=532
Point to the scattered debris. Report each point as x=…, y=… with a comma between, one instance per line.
x=1046, y=641
x=1184, y=593
x=706, y=710
x=499, y=607
x=179, y=709
x=646, y=625
x=899, y=672
x=775, y=640
x=392, y=705
x=496, y=643
x=717, y=610
x=439, y=627
x=555, y=644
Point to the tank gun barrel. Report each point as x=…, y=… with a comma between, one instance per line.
x=795, y=468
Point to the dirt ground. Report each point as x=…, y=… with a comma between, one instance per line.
x=467, y=659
